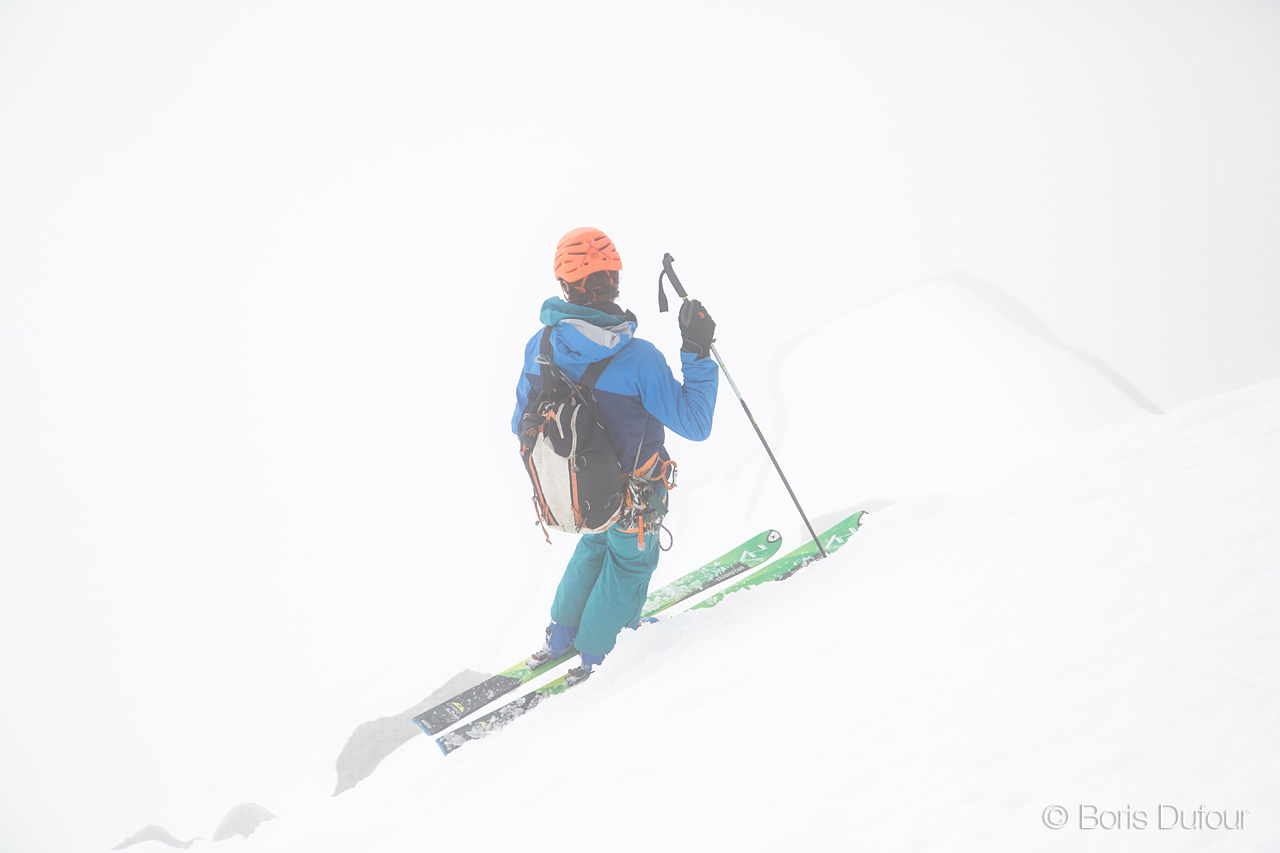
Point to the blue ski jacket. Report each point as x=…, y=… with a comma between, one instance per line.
x=637, y=392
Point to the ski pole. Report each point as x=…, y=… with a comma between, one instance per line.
x=670, y=273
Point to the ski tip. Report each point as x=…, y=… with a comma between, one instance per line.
x=444, y=750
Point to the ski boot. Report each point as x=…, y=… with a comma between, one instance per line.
x=559, y=642
x=582, y=671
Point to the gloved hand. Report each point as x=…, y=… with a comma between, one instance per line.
x=697, y=328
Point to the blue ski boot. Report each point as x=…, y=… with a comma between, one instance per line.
x=583, y=670
x=559, y=642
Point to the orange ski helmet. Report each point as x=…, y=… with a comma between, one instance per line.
x=583, y=251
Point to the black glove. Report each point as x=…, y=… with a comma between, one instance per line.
x=697, y=328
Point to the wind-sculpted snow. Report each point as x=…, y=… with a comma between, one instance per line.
x=1018, y=314
x=243, y=820
x=155, y=833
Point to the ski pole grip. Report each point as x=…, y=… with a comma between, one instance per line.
x=667, y=261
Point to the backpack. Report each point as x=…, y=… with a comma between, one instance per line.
x=578, y=483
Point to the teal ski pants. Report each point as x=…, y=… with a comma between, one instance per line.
x=605, y=585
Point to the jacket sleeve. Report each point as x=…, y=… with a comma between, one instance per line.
x=685, y=408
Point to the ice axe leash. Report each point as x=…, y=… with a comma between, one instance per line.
x=669, y=272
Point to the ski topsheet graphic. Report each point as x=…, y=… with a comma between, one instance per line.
x=833, y=538
x=781, y=569
x=742, y=558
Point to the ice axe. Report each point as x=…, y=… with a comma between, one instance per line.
x=669, y=272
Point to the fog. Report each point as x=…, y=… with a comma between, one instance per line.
x=252, y=253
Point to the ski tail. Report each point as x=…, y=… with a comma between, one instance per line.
x=500, y=718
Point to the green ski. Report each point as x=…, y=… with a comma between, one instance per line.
x=784, y=567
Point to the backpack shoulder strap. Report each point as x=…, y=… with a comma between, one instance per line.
x=544, y=363
x=589, y=376
x=592, y=374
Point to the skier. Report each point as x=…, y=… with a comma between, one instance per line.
x=607, y=579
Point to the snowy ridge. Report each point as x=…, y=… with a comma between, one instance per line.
x=935, y=384
x=939, y=384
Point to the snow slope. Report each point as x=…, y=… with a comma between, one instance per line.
x=1095, y=631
